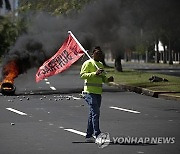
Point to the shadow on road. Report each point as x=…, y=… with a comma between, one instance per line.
x=112, y=143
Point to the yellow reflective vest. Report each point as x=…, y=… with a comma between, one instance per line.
x=92, y=82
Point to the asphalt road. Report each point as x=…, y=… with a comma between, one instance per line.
x=173, y=70
x=51, y=118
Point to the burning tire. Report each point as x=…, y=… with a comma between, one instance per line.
x=8, y=88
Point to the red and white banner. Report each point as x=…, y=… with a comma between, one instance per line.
x=69, y=53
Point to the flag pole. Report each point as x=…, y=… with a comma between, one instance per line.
x=82, y=48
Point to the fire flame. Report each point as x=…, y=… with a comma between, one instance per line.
x=10, y=72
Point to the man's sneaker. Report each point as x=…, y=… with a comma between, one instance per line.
x=90, y=140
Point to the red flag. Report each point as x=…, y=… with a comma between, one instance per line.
x=69, y=53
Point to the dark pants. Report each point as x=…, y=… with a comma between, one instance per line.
x=94, y=103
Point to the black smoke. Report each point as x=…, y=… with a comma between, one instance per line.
x=106, y=23
x=46, y=33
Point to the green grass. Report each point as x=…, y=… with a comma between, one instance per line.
x=141, y=79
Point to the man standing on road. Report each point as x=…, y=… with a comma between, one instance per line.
x=93, y=79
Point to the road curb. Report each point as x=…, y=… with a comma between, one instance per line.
x=158, y=94
x=169, y=97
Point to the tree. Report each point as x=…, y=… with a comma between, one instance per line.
x=8, y=34
x=9, y=31
x=55, y=7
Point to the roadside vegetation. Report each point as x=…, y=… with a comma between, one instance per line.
x=141, y=79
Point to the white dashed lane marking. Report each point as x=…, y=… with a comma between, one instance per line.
x=76, y=132
x=122, y=109
x=16, y=111
x=53, y=88
x=48, y=83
